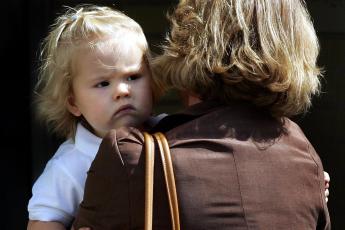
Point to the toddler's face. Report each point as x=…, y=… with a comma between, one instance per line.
x=112, y=87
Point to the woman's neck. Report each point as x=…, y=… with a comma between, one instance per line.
x=192, y=100
x=189, y=99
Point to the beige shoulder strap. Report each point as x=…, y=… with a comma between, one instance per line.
x=149, y=175
x=169, y=179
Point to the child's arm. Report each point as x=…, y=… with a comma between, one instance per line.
x=54, y=196
x=45, y=225
x=57, y=193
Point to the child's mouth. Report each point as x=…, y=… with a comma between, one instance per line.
x=125, y=109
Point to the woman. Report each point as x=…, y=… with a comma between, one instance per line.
x=240, y=163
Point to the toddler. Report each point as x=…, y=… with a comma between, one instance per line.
x=94, y=77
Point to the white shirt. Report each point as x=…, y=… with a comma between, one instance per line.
x=58, y=191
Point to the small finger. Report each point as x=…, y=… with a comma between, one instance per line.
x=327, y=177
x=326, y=185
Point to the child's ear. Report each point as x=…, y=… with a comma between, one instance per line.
x=72, y=107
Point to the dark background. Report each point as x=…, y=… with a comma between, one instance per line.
x=26, y=145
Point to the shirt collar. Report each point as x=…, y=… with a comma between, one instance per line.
x=190, y=113
x=86, y=141
x=202, y=108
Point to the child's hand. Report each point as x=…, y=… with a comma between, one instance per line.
x=83, y=228
x=44, y=225
x=327, y=180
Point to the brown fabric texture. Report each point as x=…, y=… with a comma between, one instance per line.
x=235, y=167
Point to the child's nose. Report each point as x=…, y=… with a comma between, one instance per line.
x=121, y=91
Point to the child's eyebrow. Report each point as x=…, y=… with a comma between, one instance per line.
x=110, y=73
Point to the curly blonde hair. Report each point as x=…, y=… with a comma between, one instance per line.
x=79, y=27
x=262, y=51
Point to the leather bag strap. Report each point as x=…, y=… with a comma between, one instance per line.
x=169, y=179
x=149, y=175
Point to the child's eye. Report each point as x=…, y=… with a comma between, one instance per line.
x=102, y=84
x=133, y=77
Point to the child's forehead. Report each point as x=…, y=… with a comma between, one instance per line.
x=119, y=44
x=109, y=52
x=113, y=44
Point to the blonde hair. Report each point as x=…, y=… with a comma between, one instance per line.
x=262, y=51
x=80, y=27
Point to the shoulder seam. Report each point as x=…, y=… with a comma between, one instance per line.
x=239, y=188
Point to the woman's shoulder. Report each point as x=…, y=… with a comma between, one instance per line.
x=116, y=137
x=121, y=148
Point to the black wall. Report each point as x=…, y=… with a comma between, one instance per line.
x=27, y=146
x=324, y=125
x=15, y=115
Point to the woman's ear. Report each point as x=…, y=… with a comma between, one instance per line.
x=72, y=107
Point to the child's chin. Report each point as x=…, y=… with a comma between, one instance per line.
x=129, y=123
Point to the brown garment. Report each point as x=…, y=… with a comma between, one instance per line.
x=235, y=167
